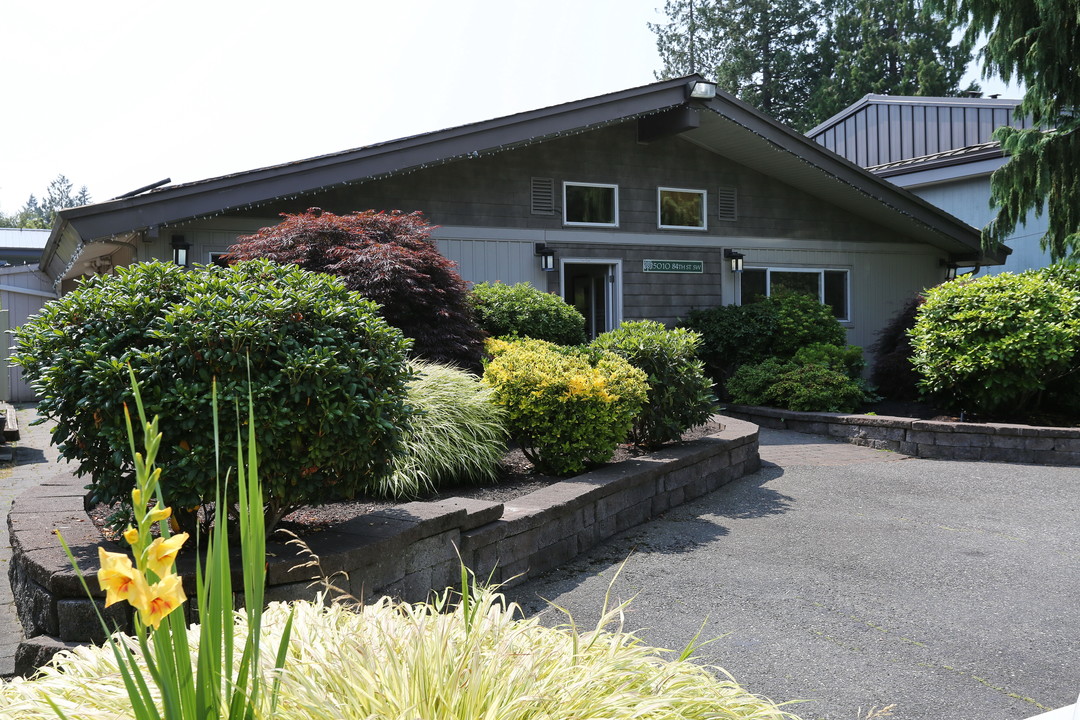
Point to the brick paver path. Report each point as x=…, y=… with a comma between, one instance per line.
x=786, y=448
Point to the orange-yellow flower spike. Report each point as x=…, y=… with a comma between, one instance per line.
x=160, y=599
x=161, y=554
x=118, y=578
x=159, y=513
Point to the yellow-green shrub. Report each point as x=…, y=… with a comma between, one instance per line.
x=566, y=407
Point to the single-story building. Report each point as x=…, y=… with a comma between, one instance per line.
x=23, y=290
x=941, y=149
x=643, y=203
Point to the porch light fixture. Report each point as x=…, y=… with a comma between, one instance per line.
x=180, y=248
x=736, y=259
x=547, y=257
x=950, y=270
x=700, y=90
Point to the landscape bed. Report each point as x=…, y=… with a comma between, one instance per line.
x=405, y=551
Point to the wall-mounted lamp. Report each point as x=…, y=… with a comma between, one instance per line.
x=700, y=90
x=736, y=259
x=547, y=257
x=180, y=248
x=950, y=270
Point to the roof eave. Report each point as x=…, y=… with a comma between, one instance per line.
x=254, y=187
x=948, y=233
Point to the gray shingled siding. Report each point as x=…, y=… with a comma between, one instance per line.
x=494, y=191
x=656, y=296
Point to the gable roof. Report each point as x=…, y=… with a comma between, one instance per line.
x=727, y=127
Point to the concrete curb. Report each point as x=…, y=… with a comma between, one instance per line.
x=994, y=442
x=408, y=551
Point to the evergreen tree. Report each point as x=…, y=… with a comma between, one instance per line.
x=757, y=50
x=39, y=214
x=1038, y=43
x=894, y=48
x=801, y=61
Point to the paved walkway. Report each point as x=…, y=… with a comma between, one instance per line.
x=34, y=452
x=849, y=578
x=838, y=574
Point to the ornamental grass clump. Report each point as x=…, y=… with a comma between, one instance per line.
x=456, y=658
x=566, y=408
x=456, y=436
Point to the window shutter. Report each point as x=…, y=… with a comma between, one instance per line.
x=728, y=206
x=543, y=196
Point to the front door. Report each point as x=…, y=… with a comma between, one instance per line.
x=591, y=287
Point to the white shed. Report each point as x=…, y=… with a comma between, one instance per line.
x=23, y=291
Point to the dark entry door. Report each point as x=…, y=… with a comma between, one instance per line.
x=589, y=287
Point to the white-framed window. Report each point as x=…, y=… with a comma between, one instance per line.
x=681, y=209
x=831, y=286
x=590, y=204
x=218, y=258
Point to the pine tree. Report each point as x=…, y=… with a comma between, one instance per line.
x=39, y=214
x=894, y=48
x=802, y=61
x=757, y=50
x=1038, y=43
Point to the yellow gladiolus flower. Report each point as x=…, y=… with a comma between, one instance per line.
x=118, y=578
x=160, y=599
x=159, y=513
x=136, y=497
x=131, y=535
x=161, y=554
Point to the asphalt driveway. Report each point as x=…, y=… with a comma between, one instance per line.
x=851, y=578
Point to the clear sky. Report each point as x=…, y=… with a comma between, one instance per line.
x=117, y=94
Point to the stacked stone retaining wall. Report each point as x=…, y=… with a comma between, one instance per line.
x=406, y=551
x=997, y=442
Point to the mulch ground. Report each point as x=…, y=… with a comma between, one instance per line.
x=518, y=477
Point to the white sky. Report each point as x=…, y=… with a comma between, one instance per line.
x=116, y=94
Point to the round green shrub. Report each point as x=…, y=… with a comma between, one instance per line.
x=566, y=407
x=995, y=343
x=777, y=326
x=523, y=311
x=793, y=386
x=680, y=396
x=847, y=359
x=800, y=321
x=457, y=436
x=750, y=384
x=326, y=372
x=815, y=388
x=732, y=335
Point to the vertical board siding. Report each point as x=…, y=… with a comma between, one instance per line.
x=19, y=307
x=504, y=261
x=886, y=131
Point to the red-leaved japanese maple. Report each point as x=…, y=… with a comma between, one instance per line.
x=388, y=257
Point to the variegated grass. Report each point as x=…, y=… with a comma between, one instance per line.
x=459, y=434
x=458, y=657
